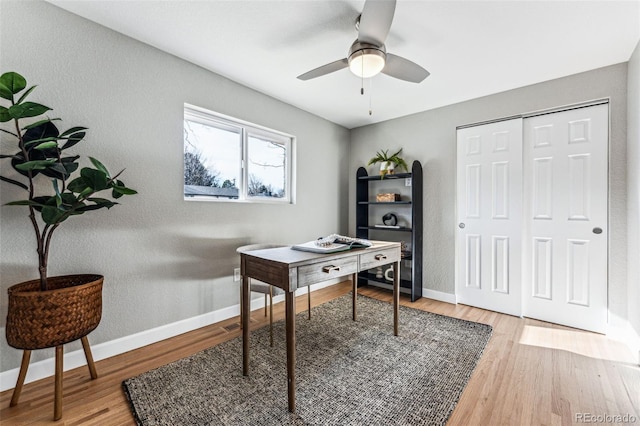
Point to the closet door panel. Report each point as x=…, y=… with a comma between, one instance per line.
x=565, y=217
x=489, y=226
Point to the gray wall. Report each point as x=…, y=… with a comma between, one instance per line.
x=633, y=189
x=164, y=259
x=430, y=137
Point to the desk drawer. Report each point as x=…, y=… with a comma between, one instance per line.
x=378, y=258
x=322, y=271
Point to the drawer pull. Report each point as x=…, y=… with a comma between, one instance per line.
x=330, y=268
x=380, y=257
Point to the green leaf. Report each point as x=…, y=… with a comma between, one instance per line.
x=40, y=123
x=27, y=109
x=96, y=179
x=69, y=199
x=4, y=115
x=102, y=202
x=61, y=170
x=98, y=165
x=88, y=190
x=14, y=182
x=15, y=111
x=5, y=92
x=52, y=215
x=39, y=141
x=77, y=185
x=123, y=190
x=57, y=190
x=397, y=153
x=72, y=131
x=46, y=145
x=69, y=165
x=25, y=203
x=41, y=202
x=13, y=81
x=35, y=165
x=25, y=94
x=73, y=139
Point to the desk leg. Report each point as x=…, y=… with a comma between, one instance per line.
x=290, y=315
x=246, y=313
x=396, y=295
x=354, y=291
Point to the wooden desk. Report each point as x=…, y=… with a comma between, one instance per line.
x=291, y=269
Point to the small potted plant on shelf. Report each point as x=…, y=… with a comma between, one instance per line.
x=51, y=311
x=388, y=162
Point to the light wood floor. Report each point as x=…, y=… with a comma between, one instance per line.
x=532, y=373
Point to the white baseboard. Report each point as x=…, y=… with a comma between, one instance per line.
x=430, y=294
x=439, y=295
x=45, y=368
x=627, y=335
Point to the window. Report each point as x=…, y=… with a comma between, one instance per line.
x=230, y=160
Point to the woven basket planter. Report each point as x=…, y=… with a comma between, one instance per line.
x=71, y=309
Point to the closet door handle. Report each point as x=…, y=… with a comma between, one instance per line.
x=597, y=230
x=461, y=225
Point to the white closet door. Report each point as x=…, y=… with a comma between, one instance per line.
x=565, y=249
x=489, y=227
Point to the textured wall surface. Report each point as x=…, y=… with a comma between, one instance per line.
x=430, y=137
x=633, y=183
x=164, y=259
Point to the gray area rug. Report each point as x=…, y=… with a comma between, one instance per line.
x=348, y=373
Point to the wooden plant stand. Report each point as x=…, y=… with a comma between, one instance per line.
x=67, y=312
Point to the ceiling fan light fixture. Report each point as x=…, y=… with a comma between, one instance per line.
x=366, y=60
x=367, y=65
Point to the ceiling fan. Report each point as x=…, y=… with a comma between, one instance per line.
x=367, y=55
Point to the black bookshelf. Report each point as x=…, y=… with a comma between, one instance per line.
x=365, y=200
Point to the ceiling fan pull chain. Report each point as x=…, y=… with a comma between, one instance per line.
x=370, y=94
x=362, y=80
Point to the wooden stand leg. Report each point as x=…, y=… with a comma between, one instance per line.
x=57, y=404
x=309, y=300
x=59, y=373
x=26, y=356
x=89, y=357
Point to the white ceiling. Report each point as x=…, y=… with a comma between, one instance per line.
x=471, y=48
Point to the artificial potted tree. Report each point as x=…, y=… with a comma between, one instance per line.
x=388, y=163
x=51, y=311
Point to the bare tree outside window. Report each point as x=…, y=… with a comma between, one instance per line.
x=267, y=168
x=228, y=159
x=195, y=173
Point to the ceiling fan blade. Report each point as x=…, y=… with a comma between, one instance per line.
x=325, y=69
x=399, y=67
x=375, y=21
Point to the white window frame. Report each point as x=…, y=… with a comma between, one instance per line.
x=245, y=130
